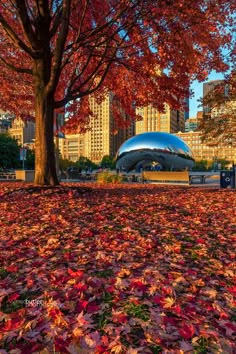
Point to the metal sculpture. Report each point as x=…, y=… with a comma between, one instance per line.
x=167, y=149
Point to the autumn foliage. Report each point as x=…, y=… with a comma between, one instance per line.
x=55, y=53
x=118, y=269
x=219, y=118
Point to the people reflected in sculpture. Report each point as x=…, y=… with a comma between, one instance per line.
x=168, y=150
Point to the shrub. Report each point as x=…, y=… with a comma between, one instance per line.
x=108, y=177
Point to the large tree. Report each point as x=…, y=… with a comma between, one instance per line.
x=54, y=53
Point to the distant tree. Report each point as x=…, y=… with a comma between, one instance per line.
x=201, y=165
x=220, y=164
x=83, y=163
x=65, y=163
x=9, y=152
x=54, y=53
x=108, y=162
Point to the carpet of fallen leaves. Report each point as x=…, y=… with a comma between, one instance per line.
x=117, y=269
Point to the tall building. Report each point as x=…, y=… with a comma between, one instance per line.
x=207, y=88
x=5, y=121
x=102, y=138
x=72, y=146
x=192, y=123
x=4, y=125
x=170, y=121
x=186, y=111
x=202, y=151
x=22, y=130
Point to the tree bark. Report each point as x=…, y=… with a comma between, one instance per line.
x=45, y=162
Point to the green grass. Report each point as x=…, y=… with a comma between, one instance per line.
x=139, y=311
x=3, y=273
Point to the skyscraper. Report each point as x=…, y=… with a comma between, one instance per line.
x=169, y=121
x=186, y=111
x=207, y=88
x=22, y=130
x=192, y=123
x=104, y=137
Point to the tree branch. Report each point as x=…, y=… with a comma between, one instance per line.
x=26, y=23
x=60, y=46
x=14, y=38
x=16, y=69
x=56, y=22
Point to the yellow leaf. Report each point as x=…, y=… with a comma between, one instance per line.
x=229, y=273
x=121, y=283
x=179, y=279
x=117, y=349
x=211, y=293
x=77, y=332
x=52, y=240
x=199, y=282
x=133, y=351
x=168, y=302
x=152, y=289
x=89, y=341
x=124, y=272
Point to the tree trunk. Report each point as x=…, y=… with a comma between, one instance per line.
x=45, y=163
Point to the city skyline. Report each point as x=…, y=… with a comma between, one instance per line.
x=197, y=88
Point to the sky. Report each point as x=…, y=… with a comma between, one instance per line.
x=197, y=88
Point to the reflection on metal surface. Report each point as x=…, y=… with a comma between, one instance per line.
x=167, y=149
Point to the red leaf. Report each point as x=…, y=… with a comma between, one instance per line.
x=137, y=284
x=81, y=287
x=200, y=240
x=92, y=307
x=12, y=268
x=75, y=274
x=119, y=317
x=157, y=300
x=232, y=290
x=13, y=297
x=81, y=305
x=187, y=331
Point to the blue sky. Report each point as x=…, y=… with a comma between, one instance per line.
x=197, y=88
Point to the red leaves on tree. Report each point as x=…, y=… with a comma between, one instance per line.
x=79, y=49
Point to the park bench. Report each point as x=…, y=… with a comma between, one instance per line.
x=7, y=175
x=166, y=177
x=202, y=177
x=199, y=178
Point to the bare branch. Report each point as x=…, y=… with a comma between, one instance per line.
x=60, y=46
x=56, y=22
x=14, y=38
x=82, y=19
x=26, y=23
x=93, y=77
x=17, y=69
